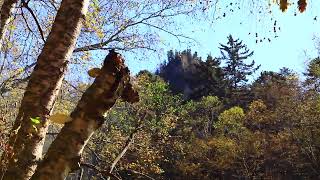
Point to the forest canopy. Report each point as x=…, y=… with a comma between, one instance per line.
x=71, y=109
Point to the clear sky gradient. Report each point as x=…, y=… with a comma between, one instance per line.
x=292, y=47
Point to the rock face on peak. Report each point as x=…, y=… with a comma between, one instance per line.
x=187, y=74
x=179, y=72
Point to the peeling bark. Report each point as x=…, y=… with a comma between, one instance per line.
x=65, y=152
x=26, y=140
x=5, y=14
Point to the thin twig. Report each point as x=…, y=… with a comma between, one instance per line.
x=124, y=150
x=52, y=133
x=74, y=87
x=94, y=153
x=104, y=173
x=81, y=174
x=140, y=173
x=25, y=5
x=177, y=36
x=113, y=37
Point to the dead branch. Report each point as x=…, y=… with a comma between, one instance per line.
x=105, y=174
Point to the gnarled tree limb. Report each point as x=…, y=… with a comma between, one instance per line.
x=64, y=154
x=44, y=84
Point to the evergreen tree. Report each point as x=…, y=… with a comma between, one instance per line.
x=236, y=71
x=211, y=78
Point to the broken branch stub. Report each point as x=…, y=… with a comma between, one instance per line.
x=64, y=153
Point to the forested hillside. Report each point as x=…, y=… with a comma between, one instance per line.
x=273, y=134
x=70, y=108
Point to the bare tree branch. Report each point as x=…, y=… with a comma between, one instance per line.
x=169, y=32
x=25, y=5
x=105, y=174
x=140, y=173
x=114, y=37
x=128, y=142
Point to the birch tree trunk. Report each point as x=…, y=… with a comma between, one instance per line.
x=64, y=153
x=27, y=139
x=5, y=14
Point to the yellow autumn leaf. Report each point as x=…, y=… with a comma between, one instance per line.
x=94, y=72
x=60, y=118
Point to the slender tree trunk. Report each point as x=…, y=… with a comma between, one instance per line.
x=64, y=154
x=26, y=140
x=5, y=13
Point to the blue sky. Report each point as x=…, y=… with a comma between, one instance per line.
x=292, y=48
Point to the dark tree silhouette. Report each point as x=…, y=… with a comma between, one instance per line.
x=188, y=74
x=236, y=71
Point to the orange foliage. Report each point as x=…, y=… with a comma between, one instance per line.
x=302, y=4
x=283, y=5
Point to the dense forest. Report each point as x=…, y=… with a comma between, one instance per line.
x=69, y=111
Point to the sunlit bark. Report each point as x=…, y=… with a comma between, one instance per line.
x=64, y=153
x=5, y=14
x=27, y=138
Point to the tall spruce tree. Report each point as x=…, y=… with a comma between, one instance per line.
x=211, y=78
x=236, y=71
